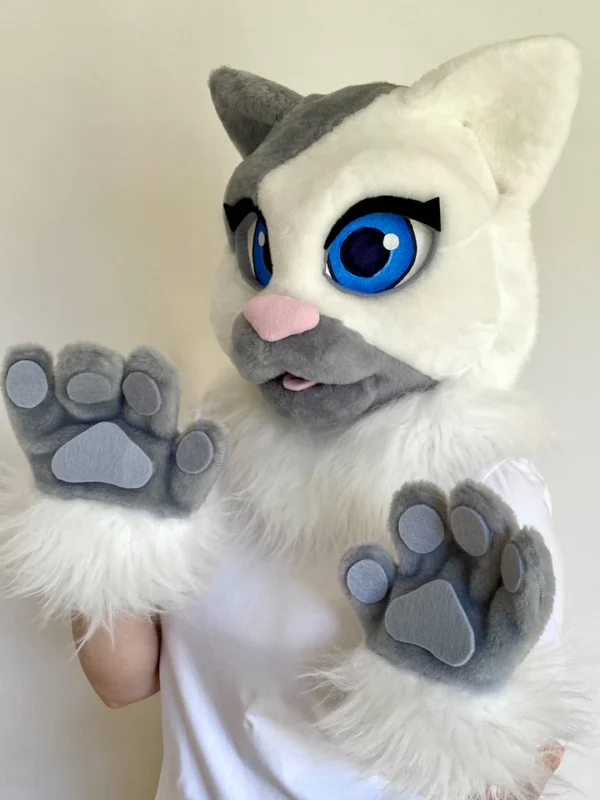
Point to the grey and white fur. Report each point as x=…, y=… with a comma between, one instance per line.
x=402, y=388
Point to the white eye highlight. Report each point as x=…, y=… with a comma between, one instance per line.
x=390, y=241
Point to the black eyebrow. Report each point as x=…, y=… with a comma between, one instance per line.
x=236, y=214
x=427, y=212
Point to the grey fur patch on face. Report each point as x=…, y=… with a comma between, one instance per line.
x=307, y=122
x=352, y=376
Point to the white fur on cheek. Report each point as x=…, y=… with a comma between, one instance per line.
x=82, y=557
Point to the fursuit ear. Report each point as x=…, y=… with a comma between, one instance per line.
x=518, y=97
x=249, y=106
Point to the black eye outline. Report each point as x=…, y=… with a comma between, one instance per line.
x=427, y=212
x=240, y=218
x=237, y=213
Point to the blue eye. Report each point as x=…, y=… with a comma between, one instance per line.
x=262, y=266
x=378, y=252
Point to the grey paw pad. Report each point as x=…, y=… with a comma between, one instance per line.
x=470, y=530
x=195, y=452
x=89, y=388
x=26, y=384
x=142, y=393
x=433, y=618
x=421, y=529
x=511, y=568
x=367, y=581
x=103, y=454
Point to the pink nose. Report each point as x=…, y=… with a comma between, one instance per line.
x=277, y=316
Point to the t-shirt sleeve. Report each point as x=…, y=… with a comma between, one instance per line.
x=522, y=487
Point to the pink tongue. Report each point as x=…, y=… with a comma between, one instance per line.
x=295, y=384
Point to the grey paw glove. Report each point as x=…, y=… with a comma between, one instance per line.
x=142, y=525
x=469, y=595
x=449, y=696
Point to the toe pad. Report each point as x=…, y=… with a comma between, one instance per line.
x=421, y=529
x=195, y=453
x=89, y=388
x=367, y=581
x=142, y=393
x=511, y=568
x=470, y=530
x=26, y=384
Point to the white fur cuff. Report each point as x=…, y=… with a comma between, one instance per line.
x=435, y=741
x=98, y=560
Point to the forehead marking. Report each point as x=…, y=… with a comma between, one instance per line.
x=305, y=124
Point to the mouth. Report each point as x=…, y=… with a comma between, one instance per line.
x=348, y=376
x=294, y=383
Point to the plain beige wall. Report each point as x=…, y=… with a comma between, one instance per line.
x=112, y=165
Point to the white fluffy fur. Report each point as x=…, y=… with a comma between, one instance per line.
x=442, y=743
x=98, y=560
x=313, y=491
x=518, y=98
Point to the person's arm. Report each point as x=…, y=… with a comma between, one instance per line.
x=121, y=666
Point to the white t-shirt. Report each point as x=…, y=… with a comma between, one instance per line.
x=236, y=721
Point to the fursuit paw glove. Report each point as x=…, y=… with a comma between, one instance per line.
x=120, y=517
x=449, y=698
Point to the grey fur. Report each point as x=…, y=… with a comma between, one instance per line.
x=502, y=525
x=470, y=531
x=367, y=581
x=249, y=106
x=89, y=388
x=506, y=620
x=421, y=529
x=26, y=384
x=102, y=454
x=306, y=120
x=433, y=618
x=354, y=376
x=58, y=422
x=142, y=393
